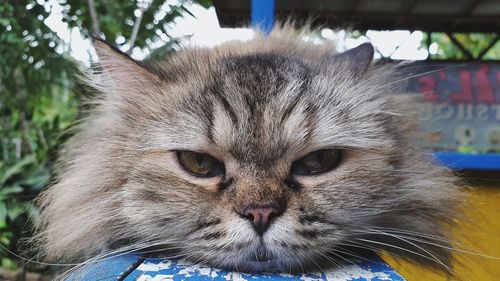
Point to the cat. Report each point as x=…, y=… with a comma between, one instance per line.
x=273, y=154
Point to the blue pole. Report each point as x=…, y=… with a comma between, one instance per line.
x=263, y=14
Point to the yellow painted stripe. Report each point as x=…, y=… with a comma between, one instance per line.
x=484, y=238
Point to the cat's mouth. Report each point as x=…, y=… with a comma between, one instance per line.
x=261, y=261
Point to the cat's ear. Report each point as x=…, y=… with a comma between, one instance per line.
x=119, y=67
x=357, y=59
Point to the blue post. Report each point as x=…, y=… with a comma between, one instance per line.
x=263, y=14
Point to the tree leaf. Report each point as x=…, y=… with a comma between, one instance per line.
x=3, y=213
x=17, y=168
x=14, y=211
x=9, y=190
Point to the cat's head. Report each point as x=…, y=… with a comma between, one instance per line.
x=271, y=154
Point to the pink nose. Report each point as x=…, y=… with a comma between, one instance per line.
x=260, y=217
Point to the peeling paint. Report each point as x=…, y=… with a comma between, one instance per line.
x=163, y=270
x=156, y=269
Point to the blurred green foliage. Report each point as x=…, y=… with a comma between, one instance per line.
x=39, y=98
x=37, y=102
x=475, y=43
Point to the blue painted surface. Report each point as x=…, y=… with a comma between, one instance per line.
x=460, y=161
x=132, y=268
x=106, y=270
x=262, y=14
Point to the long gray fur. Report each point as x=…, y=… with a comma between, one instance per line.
x=257, y=106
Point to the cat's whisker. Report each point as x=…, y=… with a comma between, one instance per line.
x=312, y=259
x=290, y=257
x=124, y=250
x=372, y=229
x=444, y=66
x=338, y=256
x=421, y=74
x=291, y=260
x=415, y=233
x=361, y=245
x=364, y=246
x=31, y=260
x=431, y=258
x=410, y=235
x=341, y=250
x=415, y=245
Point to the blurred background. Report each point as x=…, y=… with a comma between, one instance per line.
x=45, y=44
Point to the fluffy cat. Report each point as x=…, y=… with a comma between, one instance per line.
x=267, y=155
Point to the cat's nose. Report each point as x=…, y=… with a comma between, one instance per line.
x=260, y=217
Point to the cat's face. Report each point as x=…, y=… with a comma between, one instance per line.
x=259, y=116
x=257, y=160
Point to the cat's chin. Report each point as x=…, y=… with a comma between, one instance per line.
x=256, y=266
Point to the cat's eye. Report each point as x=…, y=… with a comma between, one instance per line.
x=199, y=164
x=317, y=162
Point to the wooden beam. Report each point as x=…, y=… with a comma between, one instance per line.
x=406, y=10
x=354, y=5
x=471, y=7
x=408, y=6
x=230, y=13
